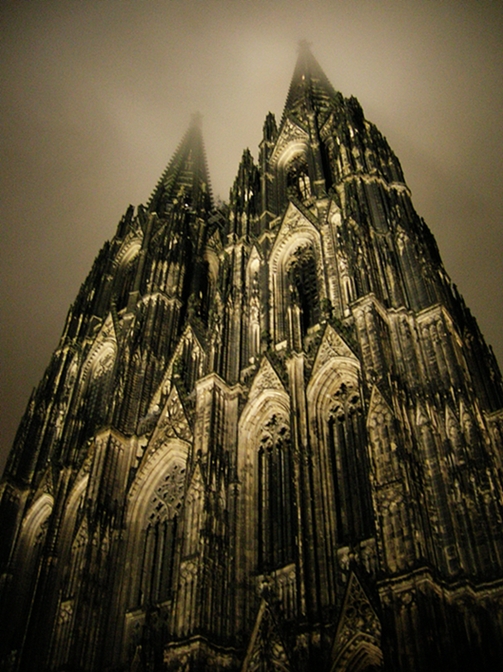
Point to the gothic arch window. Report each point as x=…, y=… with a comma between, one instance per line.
x=27, y=562
x=65, y=622
x=303, y=284
x=346, y=438
x=159, y=534
x=276, y=503
x=296, y=278
x=98, y=386
x=126, y=273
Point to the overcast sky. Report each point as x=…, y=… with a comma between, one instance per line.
x=95, y=96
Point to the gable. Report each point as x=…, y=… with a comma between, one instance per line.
x=295, y=231
x=291, y=141
x=358, y=637
x=332, y=345
x=265, y=379
x=266, y=650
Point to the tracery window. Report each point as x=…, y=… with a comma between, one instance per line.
x=276, y=514
x=160, y=534
x=349, y=466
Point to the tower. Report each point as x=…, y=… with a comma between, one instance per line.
x=271, y=435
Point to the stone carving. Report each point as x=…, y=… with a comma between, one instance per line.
x=358, y=633
x=266, y=651
x=266, y=379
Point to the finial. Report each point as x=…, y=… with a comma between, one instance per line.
x=304, y=46
x=196, y=120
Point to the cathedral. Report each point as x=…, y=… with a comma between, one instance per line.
x=271, y=436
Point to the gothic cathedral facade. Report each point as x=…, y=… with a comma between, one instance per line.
x=271, y=435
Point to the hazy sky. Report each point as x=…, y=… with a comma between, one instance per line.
x=95, y=96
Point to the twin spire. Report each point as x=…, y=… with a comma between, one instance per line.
x=186, y=176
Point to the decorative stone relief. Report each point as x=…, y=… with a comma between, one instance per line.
x=266, y=651
x=172, y=423
x=266, y=379
x=332, y=345
x=358, y=633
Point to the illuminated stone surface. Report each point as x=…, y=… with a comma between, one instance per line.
x=271, y=435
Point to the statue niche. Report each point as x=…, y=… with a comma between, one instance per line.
x=298, y=183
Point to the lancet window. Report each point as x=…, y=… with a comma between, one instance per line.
x=159, y=538
x=349, y=466
x=276, y=514
x=304, y=287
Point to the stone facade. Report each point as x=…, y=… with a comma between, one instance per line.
x=271, y=435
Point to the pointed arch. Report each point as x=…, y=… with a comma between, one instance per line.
x=296, y=277
x=265, y=460
x=152, y=518
x=33, y=525
x=126, y=263
x=97, y=378
x=342, y=504
x=266, y=644
x=27, y=561
x=357, y=642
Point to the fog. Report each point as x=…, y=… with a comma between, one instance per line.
x=95, y=96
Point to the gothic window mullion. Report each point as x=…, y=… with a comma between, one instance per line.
x=282, y=548
x=169, y=547
x=144, y=588
x=287, y=497
x=159, y=556
x=341, y=470
x=262, y=513
x=275, y=499
x=334, y=439
x=353, y=503
x=273, y=506
x=279, y=505
x=153, y=563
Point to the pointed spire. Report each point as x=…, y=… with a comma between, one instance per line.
x=186, y=179
x=309, y=86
